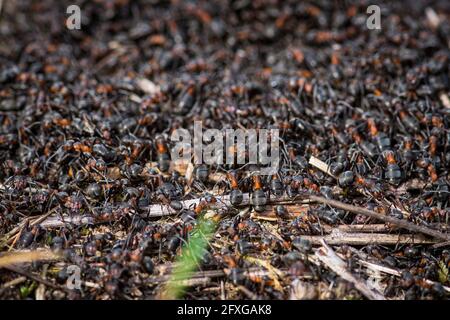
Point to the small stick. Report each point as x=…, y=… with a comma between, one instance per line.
x=369, y=213
x=441, y=244
x=27, y=256
x=40, y=290
x=362, y=239
x=352, y=228
x=222, y=290
x=14, y=282
x=211, y=274
x=193, y=282
x=56, y=222
x=445, y=100
x=322, y=166
x=34, y=277
x=328, y=257
x=380, y=268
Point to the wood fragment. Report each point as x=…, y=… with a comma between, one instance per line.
x=27, y=256
x=14, y=282
x=192, y=282
x=40, y=290
x=328, y=257
x=441, y=244
x=267, y=216
x=445, y=100
x=223, y=295
x=379, y=268
x=384, y=269
x=147, y=86
x=352, y=228
x=57, y=221
x=372, y=214
x=212, y=274
x=322, y=166
x=362, y=239
x=432, y=17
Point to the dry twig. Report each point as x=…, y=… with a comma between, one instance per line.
x=327, y=256
x=372, y=214
x=362, y=239
x=27, y=256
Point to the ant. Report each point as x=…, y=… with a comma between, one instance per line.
x=393, y=172
x=380, y=138
x=367, y=147
x=236, y=196
x=259, y=198
x=163, y=157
